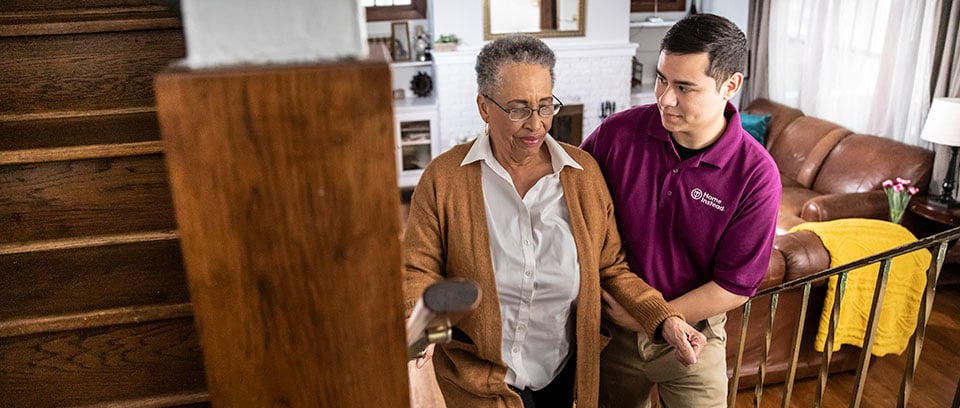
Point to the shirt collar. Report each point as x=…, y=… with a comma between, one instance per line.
x=482, y=150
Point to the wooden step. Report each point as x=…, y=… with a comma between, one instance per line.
x=82, y=198
x=86, y=20
x=80, y=129
x=79, y=280
x=93, y=366
x=182, y=400
x=93, y=319
x=60, y=75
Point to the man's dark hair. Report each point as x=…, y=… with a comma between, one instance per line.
x=724, y=43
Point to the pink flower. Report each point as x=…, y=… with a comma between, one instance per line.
x=887, y=183
x=898, y=187
x=913, y=190
x=902, y=181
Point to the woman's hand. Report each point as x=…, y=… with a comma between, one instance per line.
x=687, y=341
x=427, y=355
x=615, y=313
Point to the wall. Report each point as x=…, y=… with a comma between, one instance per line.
x=231, y=32
x=590, y=69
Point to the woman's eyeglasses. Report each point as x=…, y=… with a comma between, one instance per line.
x=522, y=114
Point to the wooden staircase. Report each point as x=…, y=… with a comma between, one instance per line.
x=94, y=306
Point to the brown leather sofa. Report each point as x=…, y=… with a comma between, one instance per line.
x=827, y=172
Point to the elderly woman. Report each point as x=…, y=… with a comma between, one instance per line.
x=530, y=220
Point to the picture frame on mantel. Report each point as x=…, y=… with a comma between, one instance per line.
x=400, y=41
x=647, y=6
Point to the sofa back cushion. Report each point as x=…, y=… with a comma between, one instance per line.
x=802, y=146
x=781, y=116
x=862, y=162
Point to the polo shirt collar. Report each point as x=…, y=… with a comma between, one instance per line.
x=482, y=150
x=723, y=149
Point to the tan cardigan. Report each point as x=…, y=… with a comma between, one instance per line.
x=446, y=236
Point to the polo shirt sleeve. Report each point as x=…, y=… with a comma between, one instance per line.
x=744, y=250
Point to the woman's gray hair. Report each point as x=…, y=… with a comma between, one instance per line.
x=517, y=48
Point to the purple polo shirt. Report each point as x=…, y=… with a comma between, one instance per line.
x=683, y=224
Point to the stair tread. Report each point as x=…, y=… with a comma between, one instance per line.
x=89, y=20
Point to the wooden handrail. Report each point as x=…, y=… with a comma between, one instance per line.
x=440, y=308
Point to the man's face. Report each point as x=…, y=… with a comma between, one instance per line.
x=688, y=99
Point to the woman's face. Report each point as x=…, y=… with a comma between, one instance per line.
x=521, y=86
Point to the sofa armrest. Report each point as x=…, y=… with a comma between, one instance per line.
x=803, y=254
x=868, y=204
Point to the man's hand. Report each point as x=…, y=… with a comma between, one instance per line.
x=687, y=341
x=617, y=314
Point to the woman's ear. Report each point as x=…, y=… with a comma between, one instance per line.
x=482, y=108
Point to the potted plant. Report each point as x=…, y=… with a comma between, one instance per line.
x=446, y=42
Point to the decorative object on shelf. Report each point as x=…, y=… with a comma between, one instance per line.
x=421, y=44
x=607, y=108
x=941, y=127
x=637, y=79
x=399, y=94
x=898, y=196
x=400, y=44
x=421, y=84
x=446, y=42
x=655, y=18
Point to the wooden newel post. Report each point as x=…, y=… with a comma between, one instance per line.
x=284, y=184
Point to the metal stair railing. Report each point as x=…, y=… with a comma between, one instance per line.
x=938, y=241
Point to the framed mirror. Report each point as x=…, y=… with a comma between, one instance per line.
x=541, y=18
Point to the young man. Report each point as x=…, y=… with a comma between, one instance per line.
x=696, y=201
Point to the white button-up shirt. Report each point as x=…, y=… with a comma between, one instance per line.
x=535, y=264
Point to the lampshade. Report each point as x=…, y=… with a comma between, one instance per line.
x=943, y=122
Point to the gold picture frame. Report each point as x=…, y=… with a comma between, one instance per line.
x=400, y=41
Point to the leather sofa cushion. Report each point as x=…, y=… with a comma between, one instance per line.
x=803, y=145
x=792, y=200
x=861, y=163
x=782, y=115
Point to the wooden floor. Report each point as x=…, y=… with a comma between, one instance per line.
x=935, y=382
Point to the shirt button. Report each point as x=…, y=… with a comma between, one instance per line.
x=516, y=349
x=522, y=327
x=528, y=273
x=669, y=193
x=525, y=242
x=675, y=171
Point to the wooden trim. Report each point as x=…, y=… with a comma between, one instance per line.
x=646, y=6
x=415, y=11
x=169, y=400
x=98, y=318
x=77, y=21
x=86, y=242
x=80, y=152
x=75, y=114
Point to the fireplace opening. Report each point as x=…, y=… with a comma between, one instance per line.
x=568, y=125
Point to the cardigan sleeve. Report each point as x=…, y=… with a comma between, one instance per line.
x=644, y=303
x=423, y=249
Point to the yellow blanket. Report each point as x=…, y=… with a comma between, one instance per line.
x=851, y=239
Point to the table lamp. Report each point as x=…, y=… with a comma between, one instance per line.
x=943, y=127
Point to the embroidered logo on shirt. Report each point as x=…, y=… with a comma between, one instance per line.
x=706, y=198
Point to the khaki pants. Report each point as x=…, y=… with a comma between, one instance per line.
x=631, y=364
